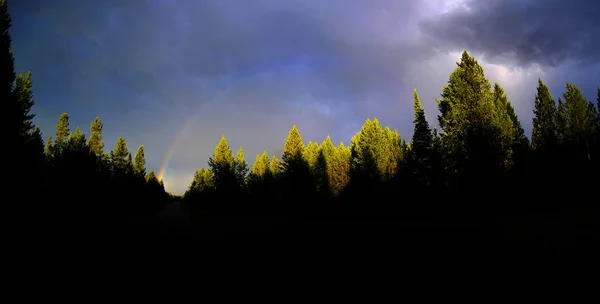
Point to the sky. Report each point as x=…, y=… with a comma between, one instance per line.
x=176, y=75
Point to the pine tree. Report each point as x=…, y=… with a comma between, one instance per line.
x=421, y=141
x=324, y=166
x=76, y=141
x=311, y=153
x=579, y=122
x=202, y=182
x=468, y=117
x=544, y=134
x=261, y=165
x=139, y=162
x=578, y=117
x=222, y=165
x=293, y=151
x=341, y=169
x=96, y=144
x=151, y=176
x=120, y=158
x=62, y=133
x=24, y=99
x=298, y=178
x=506, y=131
x=369, y=153
x=275, y=166
x=241, y=168
x=49, y=149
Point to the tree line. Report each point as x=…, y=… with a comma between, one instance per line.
x=69, y=177
x=479, y=159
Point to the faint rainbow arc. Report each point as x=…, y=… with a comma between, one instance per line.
x=188, y=123
x=173, y=144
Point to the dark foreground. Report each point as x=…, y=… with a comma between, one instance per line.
x=562, y=232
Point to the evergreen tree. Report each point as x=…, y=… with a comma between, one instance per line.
x=23, y=97
x=139, y=162
x=293, y=151
x=375, y=153
x=261, y=165
x=506, y=131
x=469, y=118
x=325, y=166
x=203, y=182
x=96, y=143
x=49, y=149
x=421, y=141
x=544, y=134
x=120, y=158
x=260, y=173
x=241, y=168
x=578, y=117
x=62, y=133
x=298, y=179
x=341, y=169
x=76, y=141
x=579, y=123
x=275, y=166
x=311, y=153
x=222, y=165
x=151, y=176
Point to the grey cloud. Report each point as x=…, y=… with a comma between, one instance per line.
x=521, y=32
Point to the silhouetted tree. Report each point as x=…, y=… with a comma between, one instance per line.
x=139, y=162
x=421, y=143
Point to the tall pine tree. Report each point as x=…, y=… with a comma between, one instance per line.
x=421, y=142
x=544, y=134
x=121, y=158
x=468, y=117
x=139, y=162
x=62, y=133
x=222, y=165
x=96, y=143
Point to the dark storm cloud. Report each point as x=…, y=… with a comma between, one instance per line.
x=522, y=32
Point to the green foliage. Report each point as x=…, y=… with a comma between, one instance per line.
x=544, y=135
x=422, y=141
x=121, y=158
x=203, y=182
x=275, y=166
x=241, y=168
x=96, y=143
x=62, y=133
x=24, y=101
x=222, y=165
x=476, y=126
x=579, y=119
x=293, y=150
x=375, y=152
x=139, y=162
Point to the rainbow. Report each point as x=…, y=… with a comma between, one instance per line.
x=173, y=144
